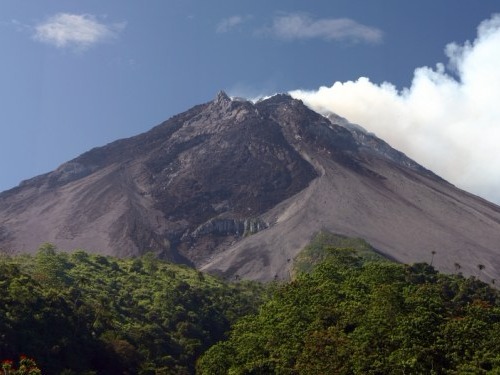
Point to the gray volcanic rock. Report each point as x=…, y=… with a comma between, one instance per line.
x=238, y=188
x=223, y=160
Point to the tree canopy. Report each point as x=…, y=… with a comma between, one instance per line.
x=346, y=311
x=81, y=313
x=353, y=316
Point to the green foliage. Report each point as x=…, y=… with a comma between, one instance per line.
x=347, y=311
x=320, y=249
x=80, y=313
x=50, y=267
x=350, y=315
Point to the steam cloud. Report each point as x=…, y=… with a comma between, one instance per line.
x=448, y=120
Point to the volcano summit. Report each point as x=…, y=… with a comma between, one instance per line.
x=239, y=188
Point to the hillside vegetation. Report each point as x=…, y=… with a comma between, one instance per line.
x=320, y=249
x=356, y=316
x=81, y=313
x=347, y=310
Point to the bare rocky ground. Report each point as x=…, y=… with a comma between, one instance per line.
x=237, y=188
x=405, y=216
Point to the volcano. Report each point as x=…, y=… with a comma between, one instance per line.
x=239, y=188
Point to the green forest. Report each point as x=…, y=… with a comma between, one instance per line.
x=89, y=314
x=347, y=310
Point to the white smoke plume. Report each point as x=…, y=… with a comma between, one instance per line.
x=449, y=118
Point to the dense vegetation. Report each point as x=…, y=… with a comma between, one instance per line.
x=353, y=316
x=319, y=250
x=346, y=311
x=82, y=314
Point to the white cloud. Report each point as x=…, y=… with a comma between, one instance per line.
x=19, y=26
x=228, y=23
x=79, y=31
x=302, y=26
x=450, y=125
x=231, y=23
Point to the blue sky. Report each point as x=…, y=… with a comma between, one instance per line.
x=79, y=74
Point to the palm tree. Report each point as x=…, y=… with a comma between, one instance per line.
x=432, y=258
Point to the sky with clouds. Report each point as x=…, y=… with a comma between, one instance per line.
x=422, y=75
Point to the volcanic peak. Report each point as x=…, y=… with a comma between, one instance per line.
x=238, y=188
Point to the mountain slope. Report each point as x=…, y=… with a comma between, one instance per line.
x=239, y=188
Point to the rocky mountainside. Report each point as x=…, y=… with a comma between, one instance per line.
x=238, y=188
